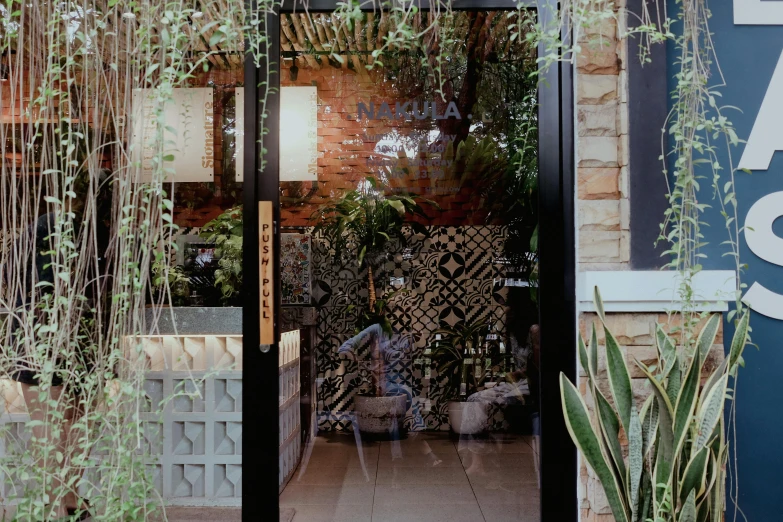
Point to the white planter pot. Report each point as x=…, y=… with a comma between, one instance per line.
x=379, y=414
x=469, y=418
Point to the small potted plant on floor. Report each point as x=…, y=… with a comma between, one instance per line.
x=461, y=356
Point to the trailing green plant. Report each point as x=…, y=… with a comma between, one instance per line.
x=677, y=448
x=225, y=231
x=367, y=222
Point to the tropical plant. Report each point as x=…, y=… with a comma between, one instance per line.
x=457, y=343
x=677, y=447
x=174, y=278
x=369, y=222
x=225, y=231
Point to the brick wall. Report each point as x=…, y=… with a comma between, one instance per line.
x=345, y=145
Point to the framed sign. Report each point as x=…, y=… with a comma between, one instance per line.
x=298, y=134
x=188, y=134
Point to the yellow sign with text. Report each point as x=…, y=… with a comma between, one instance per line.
x=266, y=272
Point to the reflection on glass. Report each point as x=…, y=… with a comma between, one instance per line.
x=420, y=386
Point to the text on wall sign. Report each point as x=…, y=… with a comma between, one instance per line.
x=266, y=272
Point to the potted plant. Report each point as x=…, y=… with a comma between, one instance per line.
x=463, y=358
x=225, y=231
x=368, y=223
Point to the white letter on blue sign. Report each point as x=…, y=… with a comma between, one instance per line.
x=766, y=138
x=763, y=242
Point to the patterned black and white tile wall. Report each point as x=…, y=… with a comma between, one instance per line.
x=452, y=276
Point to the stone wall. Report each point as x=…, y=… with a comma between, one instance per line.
x=603, y=237
x=602, y=151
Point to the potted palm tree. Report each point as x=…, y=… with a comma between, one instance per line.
x=368, y=223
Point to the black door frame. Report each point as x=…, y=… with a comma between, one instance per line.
x=557, y=272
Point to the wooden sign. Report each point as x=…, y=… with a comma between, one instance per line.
x=266, y=272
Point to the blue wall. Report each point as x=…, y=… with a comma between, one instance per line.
x=747, y=56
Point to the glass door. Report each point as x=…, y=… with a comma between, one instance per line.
x=409, y=203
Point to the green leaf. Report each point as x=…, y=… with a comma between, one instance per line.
x=362, y=253
x=599, y=304
x=665, y=456
x=579, y=427
x=707, y=336
x=694, y=476
x=635, y=462
x=740, y=339
x=594, y=350
x=216, y=37
x=398, y=206
x=610, y=428
x=710, y=413
x=583, y=359
x=619, y=379
x=649, y=416
x=666, y=349
x=674, y=382
x=686, y=402
x=688, y=512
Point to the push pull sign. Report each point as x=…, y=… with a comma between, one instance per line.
x=266, y=274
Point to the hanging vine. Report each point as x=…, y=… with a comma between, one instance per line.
x=73, y=66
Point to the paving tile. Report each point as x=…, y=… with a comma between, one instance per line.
x=427, y=513
x=511, y=494
x=483, y=472
x=410, y=459
x=326, y=475
x=510, y=513
x=421, y=476
x=302, y=495
x=341, y=513
x=492, y=460
x=423, y=494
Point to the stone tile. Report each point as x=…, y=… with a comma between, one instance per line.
x=597, y=120
x=598, y=183
x=494, y=461
x=647, y=355
x=329, y=475
x=414, y=458
x=599, y=215
x=421, y=476
x=388, y=495
x=598, y=151
x=483, y=475
x=623, y=150
x=309, y=495
x=596, y=88
x=514, y=493
x=340, y=513
x=628, y=329
x=599, y=246
x=511, y=513
x=434, y=512
x=599, y=57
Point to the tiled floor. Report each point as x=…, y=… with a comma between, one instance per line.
x=424, y=478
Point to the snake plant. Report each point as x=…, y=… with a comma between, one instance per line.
x=675, y=466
